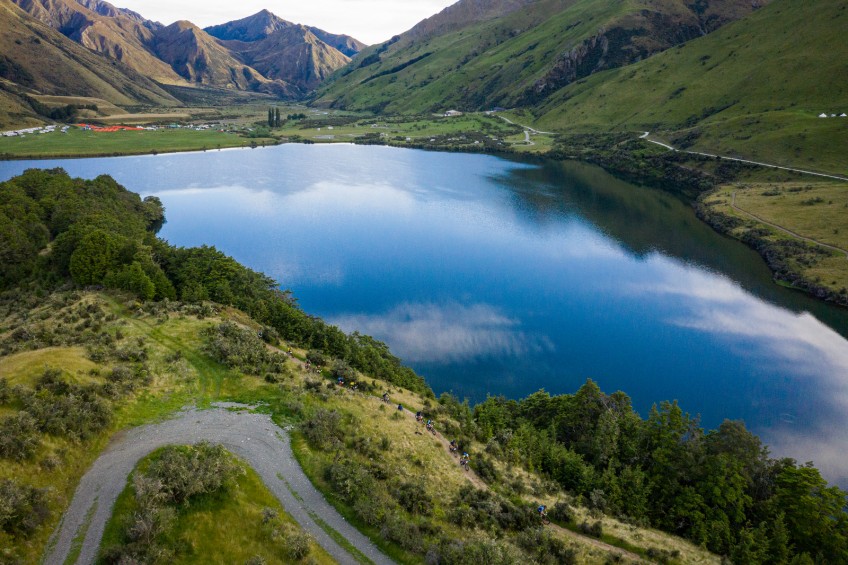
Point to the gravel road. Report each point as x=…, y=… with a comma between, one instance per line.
x=253, y=437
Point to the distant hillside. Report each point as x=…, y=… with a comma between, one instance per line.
x=790, y=55
x=478, y=54
x=290, y=59
x=26, y=44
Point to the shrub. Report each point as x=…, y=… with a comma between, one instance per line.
x=185, y=472
x=22, y=508
x=545, y=549
x=594, y=529
x=561, y=512
x=316, y=358
x=18, y=437
x=342, y=370
x=349, y=480
x=485, y=469
x=323, y=429
x=413, y=497
x=5, y=391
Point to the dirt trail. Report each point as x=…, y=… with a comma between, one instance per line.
x=479, y=483
x=253, y=437
x=785, y=230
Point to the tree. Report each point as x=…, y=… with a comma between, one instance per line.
x=277, y=121
x=93, y=257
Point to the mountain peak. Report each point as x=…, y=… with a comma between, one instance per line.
x=252, y=28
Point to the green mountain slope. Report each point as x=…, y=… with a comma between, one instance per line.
x=755, y=87
x=477, y=54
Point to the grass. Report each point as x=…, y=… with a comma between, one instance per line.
x=25, y=367
x=79, y=537
x=816, y=210
x=218, y=529
x=79, y=143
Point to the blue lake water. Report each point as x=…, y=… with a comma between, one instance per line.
x=490, y=276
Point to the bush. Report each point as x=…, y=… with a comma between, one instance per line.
x=323, y=429
x=22, y=508
x=5, y=391
x=594, y=529
x=342, y=370
x=316, y=358
x=488, y=552
x=18, y=437
x=561, y=512
x=349, y=480
x=413, y=497
x=242, y=349
x=485, y=469
x=545, y=549
x=185, y=472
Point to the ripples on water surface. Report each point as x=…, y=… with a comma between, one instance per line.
x=495, y=277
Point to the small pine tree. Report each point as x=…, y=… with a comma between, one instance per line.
x=277, y=121
x=270, y=117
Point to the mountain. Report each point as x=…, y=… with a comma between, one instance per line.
x=120, y=34
x=201, y=60
x=478, y=54
x=280, y=50
x=26, y=44
x=261, y=25
x=290, y=60
x=293, y=55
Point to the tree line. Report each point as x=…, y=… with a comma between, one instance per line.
x=720, y=488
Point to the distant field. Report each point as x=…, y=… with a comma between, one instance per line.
x=79, y=143
x=818, y=211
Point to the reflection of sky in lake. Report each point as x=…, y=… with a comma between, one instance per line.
x=489, y=280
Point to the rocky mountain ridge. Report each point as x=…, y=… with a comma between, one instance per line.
x=291, y=59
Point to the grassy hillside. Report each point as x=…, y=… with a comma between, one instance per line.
x=518, y=58
x=753, y=88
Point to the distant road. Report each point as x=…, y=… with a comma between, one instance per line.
x=526, y=128
x=253, y=437
x=769, y=165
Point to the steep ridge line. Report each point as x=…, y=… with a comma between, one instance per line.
x=253, y=437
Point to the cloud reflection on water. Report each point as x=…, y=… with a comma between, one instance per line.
x=447, y=333
x=783, y=343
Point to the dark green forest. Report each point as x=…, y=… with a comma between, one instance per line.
x=720, y=489
x=55, y=230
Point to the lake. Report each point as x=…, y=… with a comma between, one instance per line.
x=490, y=276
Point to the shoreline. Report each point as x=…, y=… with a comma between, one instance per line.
x=693, y=184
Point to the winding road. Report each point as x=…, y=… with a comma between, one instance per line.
x=769, y=165
x=253, y=437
